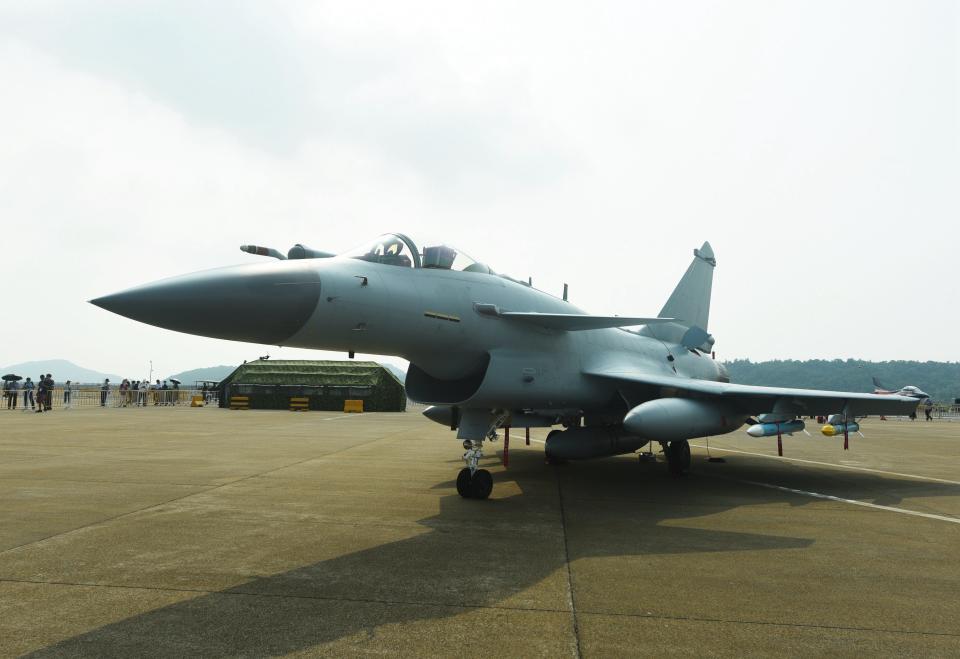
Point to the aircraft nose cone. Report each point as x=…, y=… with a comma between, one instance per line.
x=260, y=303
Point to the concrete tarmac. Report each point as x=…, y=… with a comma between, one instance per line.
x=207, y=532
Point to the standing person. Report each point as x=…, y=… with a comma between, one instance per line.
x=28, y=394
x=176, y=393
x=41, y=394
x=6, y=393
x=156, y=393
x=104, y=392
x=51, y=385
x=928, y=409
x=165, y=394
x=124, y=387
x=14, y=394
x=67, y=394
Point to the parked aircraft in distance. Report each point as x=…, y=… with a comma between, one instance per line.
x=909, y=390
x=489, y=352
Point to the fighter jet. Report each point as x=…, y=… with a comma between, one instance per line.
x=909, y=390
x=488, y=352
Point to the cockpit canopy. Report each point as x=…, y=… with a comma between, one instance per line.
x=397, y=249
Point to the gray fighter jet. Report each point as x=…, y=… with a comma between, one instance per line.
x=489, y=352
x=908, y=390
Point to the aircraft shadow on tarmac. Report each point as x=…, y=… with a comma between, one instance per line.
x=463, y=561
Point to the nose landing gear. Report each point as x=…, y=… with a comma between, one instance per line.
x=474, y=483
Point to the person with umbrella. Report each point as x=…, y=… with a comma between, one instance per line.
x=175, y=394
x=11, y=387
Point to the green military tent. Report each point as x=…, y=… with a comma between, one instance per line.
x=270, y=384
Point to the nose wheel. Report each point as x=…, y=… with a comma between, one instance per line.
x=472, y=482
x=477, y=485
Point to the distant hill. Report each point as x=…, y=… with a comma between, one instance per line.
x=61, y=370
x=215, y=373
x=939, y=379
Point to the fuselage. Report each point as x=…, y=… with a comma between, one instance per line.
x=433, y=311
x=463, y=357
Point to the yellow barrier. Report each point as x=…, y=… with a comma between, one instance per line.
x=353, y=406
x=196, y=401
x=239, y=402
x=300, y=404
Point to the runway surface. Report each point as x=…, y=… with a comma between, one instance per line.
x=160, y=532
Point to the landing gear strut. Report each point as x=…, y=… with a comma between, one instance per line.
x=474, y=483
x=678, y=457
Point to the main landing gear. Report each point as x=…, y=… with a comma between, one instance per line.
x=678, y=457
x=474, y=483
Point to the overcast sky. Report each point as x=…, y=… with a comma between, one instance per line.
x=816, y=145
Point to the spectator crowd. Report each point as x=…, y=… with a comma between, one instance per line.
x=37, y=395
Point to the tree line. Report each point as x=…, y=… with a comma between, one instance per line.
x=939, y=379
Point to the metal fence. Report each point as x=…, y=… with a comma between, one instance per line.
x=945, y=412
x=88, y=397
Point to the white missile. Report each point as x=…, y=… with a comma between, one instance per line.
x=771, y=429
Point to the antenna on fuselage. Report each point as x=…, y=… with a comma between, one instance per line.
x=566, y=289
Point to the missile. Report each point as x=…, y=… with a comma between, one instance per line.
x=833, y=429
x=771, y=429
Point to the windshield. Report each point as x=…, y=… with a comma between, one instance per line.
x=398, y=249
x=389, y=249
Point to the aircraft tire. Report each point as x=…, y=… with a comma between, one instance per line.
x=464, y=486
x=482, y=484
x=678, y=457
x=549, y=459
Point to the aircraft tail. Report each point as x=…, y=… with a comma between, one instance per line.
x=689, y=305
x=879, y=386
x=690, y=301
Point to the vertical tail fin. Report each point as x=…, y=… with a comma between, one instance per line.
x=690, y=301
x=689, y=304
